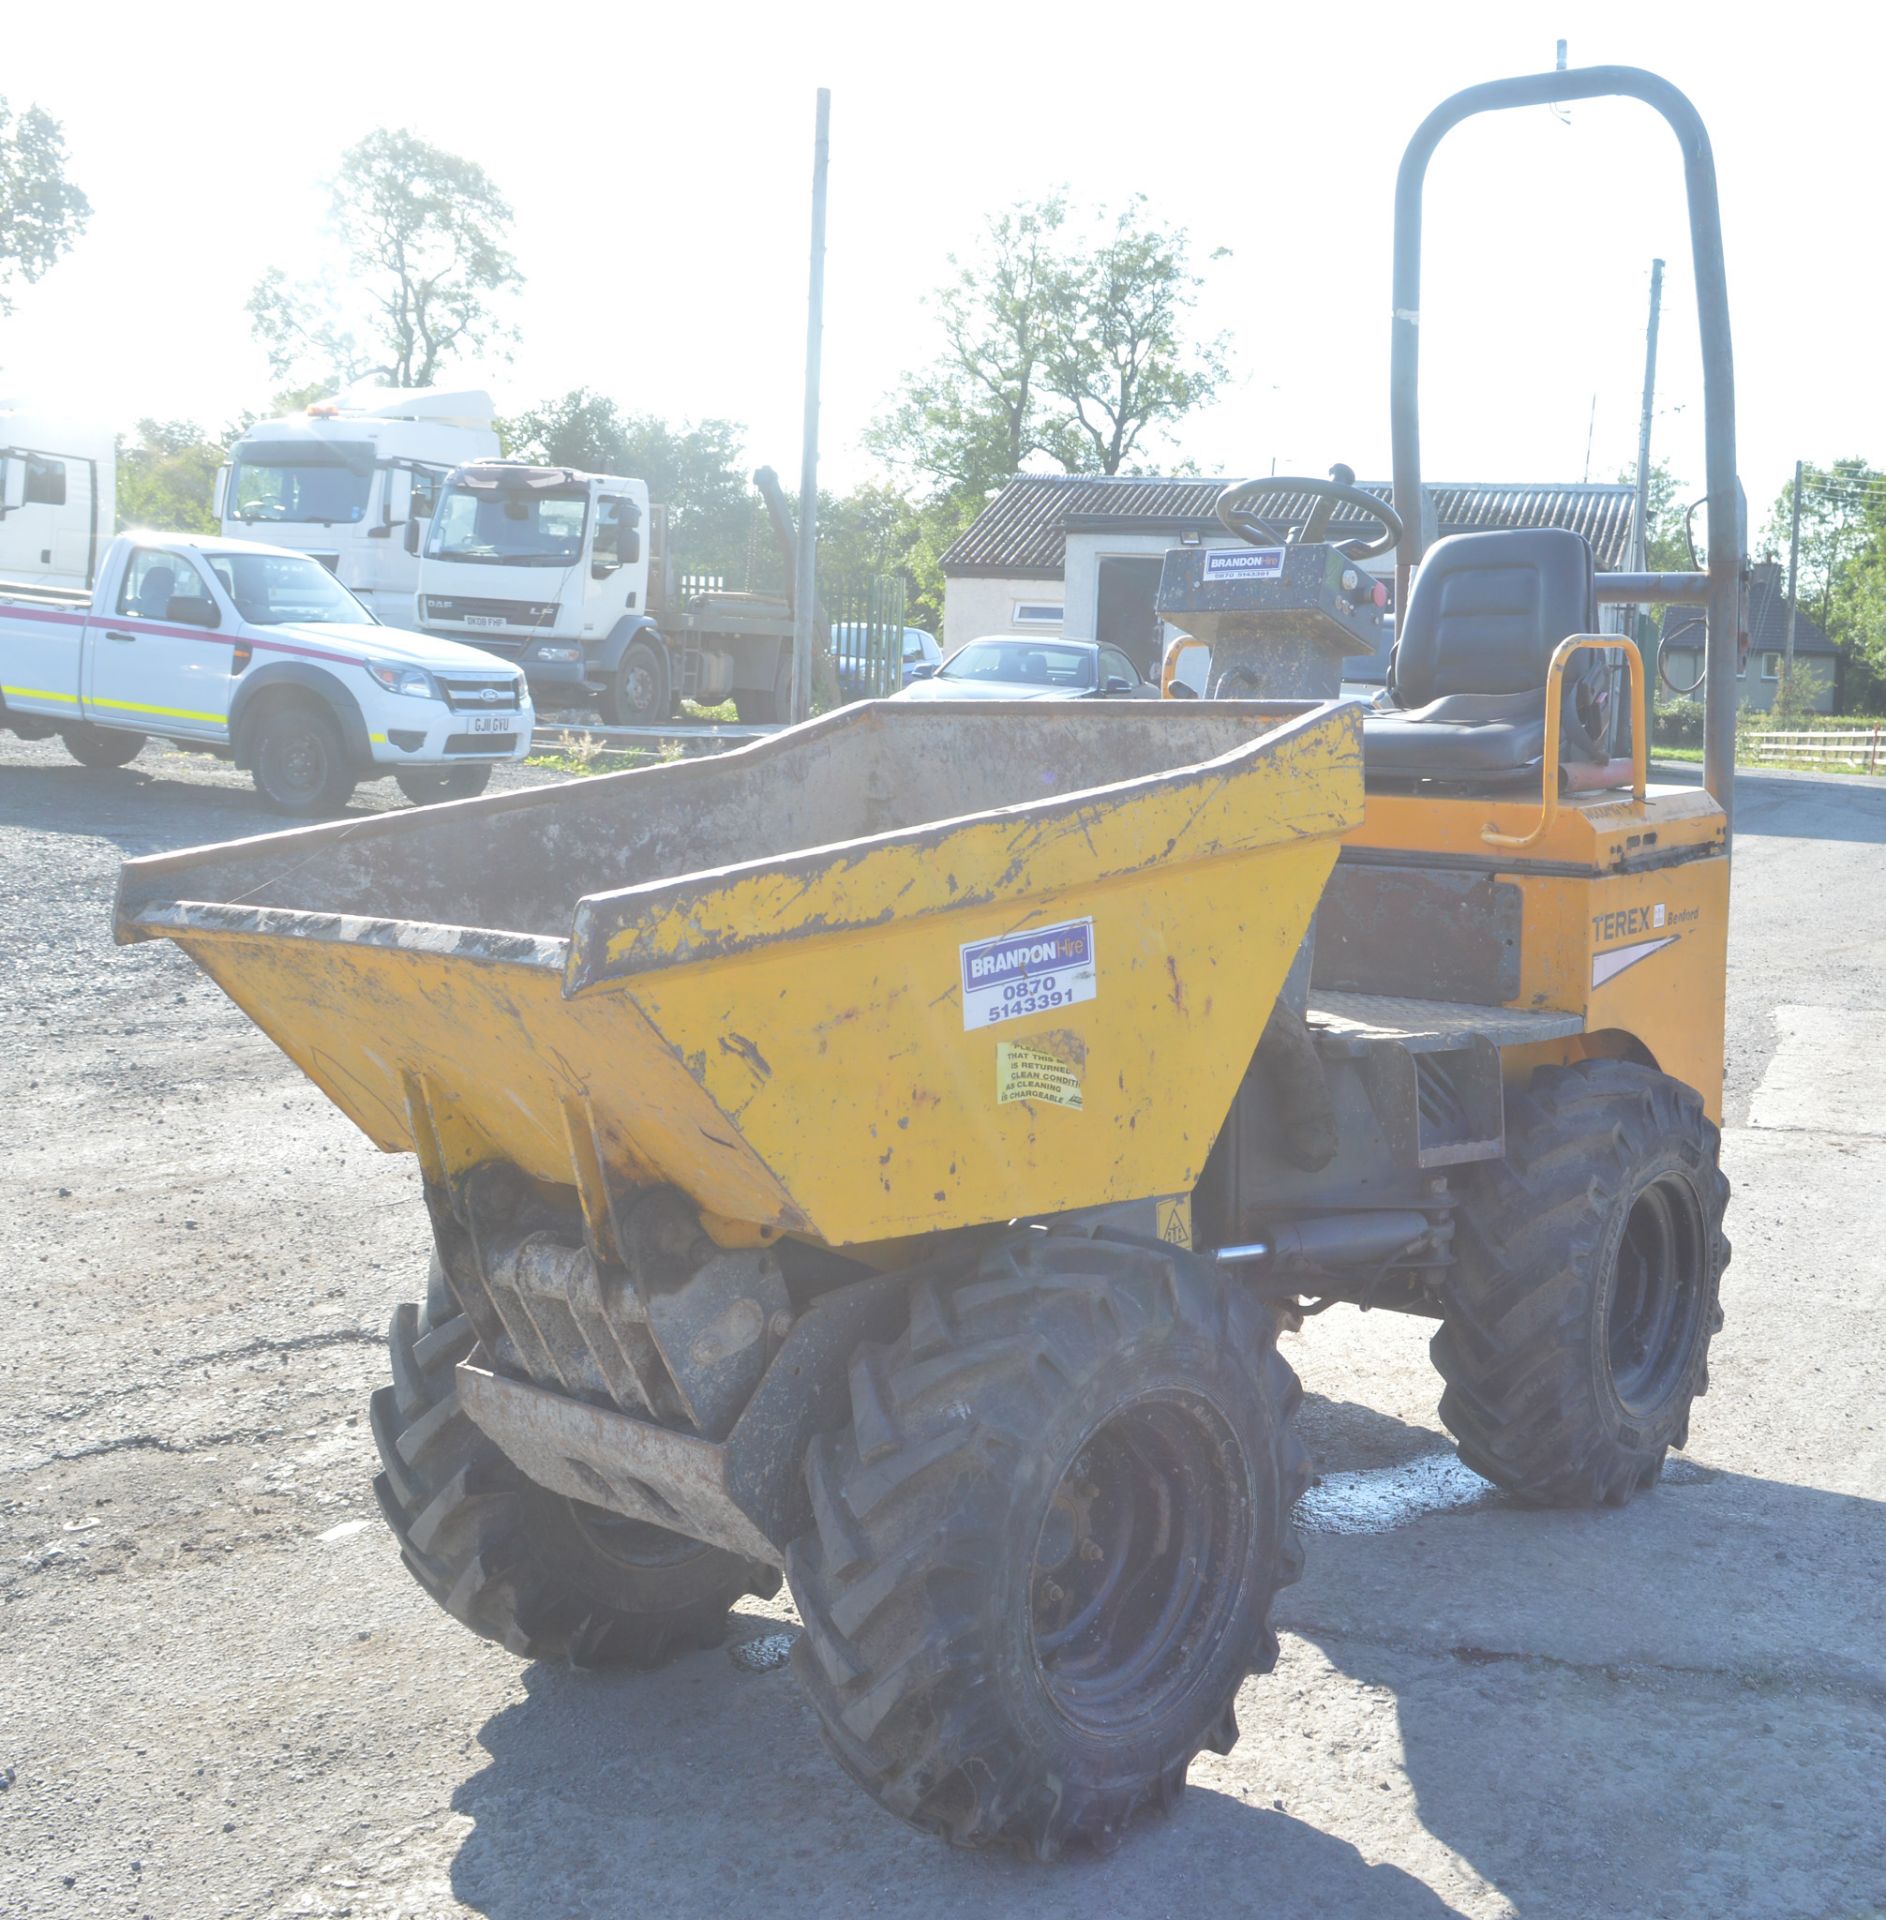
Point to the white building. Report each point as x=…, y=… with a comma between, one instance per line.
x=1061, y=553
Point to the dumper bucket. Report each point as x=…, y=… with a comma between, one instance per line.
x=904, y=968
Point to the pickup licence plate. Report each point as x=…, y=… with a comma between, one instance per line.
x=490, y=723
x=481, y=620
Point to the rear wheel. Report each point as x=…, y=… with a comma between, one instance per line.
x=1579, y=1317
x=101, y=746
x=423, y=785
x=758, y=709
x=1044, y=1552
x=638, y=693
x=299, y=761
x=547, y=1577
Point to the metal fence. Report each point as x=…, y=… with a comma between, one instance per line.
x=867, y=626
x=1856, y=747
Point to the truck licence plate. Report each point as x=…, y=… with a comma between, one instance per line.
x=490, y=723
x=481, y=620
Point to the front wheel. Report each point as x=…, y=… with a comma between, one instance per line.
x=638, y=693
x=1579, y=1316
x=101, y=747
x=423, y=785
x=299, y=761
x=548, y=1577
x=1043, y=1554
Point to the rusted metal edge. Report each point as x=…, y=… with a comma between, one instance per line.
x=602, y=917
x=170, y=918
x=746, y=1493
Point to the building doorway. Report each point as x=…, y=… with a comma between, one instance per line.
x=1124, y=616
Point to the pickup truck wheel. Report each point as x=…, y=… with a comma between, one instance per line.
x=101, y=746
x=1579, y=1315
x=423, y=785
x=299, y=761
x=638, y=693
x=547, y=1577
x=1043, y=1555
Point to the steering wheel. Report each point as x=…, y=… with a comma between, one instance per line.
x=1237, y=513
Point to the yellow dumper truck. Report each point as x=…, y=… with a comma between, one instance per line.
x=886, y=1154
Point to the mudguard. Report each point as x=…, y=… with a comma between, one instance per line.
x=316, y=680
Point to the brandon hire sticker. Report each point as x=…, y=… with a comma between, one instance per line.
x=1039, y=971
x=1244, y=563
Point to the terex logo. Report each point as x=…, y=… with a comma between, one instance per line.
x=1628, y=923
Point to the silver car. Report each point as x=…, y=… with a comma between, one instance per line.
x=1018, y=666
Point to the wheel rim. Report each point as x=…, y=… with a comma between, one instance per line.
x=1656, y=1294
x=1138, y=1563
x=638, y=683
x=297, y=763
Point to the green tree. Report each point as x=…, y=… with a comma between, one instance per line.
x=1668, y=548
x=1065, y=342
x=167, y=478
x=878, y=530
x=425, y=263
x=42, y=213
x=1843, y=514
x=1119, y=357
x=971, y=419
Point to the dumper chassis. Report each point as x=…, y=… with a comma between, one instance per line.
x=886, y=1155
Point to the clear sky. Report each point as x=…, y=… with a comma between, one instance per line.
x=658, y=159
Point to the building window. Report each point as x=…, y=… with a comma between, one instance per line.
x=1036, y=613
x=45, y=481
x=1771, y=666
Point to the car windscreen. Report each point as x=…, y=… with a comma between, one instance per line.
x=270, y=589
x=1023, y=663
x=539, y=528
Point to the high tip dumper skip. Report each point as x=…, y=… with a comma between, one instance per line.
x=886, y=1154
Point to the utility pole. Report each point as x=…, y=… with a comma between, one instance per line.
x=805, y=591
x=1794, y=581
x=1641, y=542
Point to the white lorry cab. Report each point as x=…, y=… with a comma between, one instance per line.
x=260, y=656
x=58, y=499
x=353, y=482
x=570, y=574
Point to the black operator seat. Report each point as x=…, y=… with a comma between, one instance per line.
x=1468, y=673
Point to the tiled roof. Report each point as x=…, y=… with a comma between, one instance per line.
x=1022, y=533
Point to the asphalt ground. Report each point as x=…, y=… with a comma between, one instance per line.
x=220, y=1694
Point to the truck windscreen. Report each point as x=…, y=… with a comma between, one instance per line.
x=541, y=528
x=327, y=484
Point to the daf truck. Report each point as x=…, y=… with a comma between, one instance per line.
x=571, y=576
x=353, y=480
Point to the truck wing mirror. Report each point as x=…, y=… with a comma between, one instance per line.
x=12, y=484
x=628, y=546
x=192, y=610
x=412, y=536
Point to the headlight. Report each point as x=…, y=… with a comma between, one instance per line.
x=545, y=651
x=414, y=680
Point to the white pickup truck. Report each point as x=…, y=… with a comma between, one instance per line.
x=259, y=655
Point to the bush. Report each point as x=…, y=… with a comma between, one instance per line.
x=1677, y=723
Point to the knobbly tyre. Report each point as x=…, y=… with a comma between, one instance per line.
x=769, y=1237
